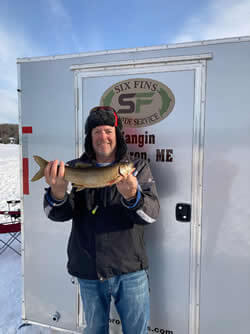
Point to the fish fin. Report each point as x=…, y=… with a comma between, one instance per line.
x=125, y=173
x=82, y=165
x=42, y=163
x=120, y=170
x=78, y=186
x=114, y=181
x=110, y=183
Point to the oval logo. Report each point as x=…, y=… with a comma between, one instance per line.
x=139, y=102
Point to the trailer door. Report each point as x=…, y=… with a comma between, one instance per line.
x=174, y=147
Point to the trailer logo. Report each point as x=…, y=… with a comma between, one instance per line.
x=139, y=102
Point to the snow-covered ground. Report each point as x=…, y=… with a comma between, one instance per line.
x=10, y=262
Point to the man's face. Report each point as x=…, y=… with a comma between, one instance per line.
x=104, y=143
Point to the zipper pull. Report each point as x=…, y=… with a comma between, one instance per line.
x=94, y=210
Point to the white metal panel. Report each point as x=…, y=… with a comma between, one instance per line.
x=225, y=270
x=174, y=310
x=138, y=49
x=47, y=94
x=47, y=285
x=143, y=62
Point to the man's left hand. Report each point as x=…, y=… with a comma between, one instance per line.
x=127, y=187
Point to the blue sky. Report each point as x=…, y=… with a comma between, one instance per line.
x=31, y=28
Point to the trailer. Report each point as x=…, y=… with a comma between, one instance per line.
x=185, y=109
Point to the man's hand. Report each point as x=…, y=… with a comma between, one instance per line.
x=127, y=187
x=54, y=176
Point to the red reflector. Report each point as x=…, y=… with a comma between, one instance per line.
x=26, y=176
x=10, y=228
x=27, y=129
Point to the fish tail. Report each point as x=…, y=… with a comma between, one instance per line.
x=42, y=163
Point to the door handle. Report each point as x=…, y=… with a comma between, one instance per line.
x=183, y=212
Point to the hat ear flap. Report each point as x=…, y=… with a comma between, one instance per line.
x=120, y=125
x=121, y=145
x=89, y=147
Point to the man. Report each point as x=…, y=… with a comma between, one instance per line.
x=106, y=250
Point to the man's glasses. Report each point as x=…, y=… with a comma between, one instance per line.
x=106, y=108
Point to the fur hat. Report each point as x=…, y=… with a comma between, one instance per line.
x=104, y=116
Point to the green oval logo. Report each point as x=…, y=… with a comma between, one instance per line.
x=139, y=102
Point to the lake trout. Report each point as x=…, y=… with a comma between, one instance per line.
x=87, y=176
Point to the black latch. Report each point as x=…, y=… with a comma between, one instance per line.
x=183, y=212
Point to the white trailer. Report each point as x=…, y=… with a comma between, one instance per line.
x=186, y=108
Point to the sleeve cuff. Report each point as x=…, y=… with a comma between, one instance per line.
x=52, y=201
x=132, y=204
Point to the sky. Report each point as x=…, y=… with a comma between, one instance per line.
x=31, y=28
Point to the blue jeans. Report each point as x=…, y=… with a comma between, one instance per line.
x=131, y=298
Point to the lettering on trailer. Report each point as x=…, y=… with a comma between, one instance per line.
x=140, y=102
x=150, y=330
x=161, y=154
x=139, y=139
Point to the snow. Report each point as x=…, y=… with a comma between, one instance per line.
x=10, y=262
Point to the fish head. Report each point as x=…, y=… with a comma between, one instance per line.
x=126, y=168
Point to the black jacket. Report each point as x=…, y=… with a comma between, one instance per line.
x=108, y=241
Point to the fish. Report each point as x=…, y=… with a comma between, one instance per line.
x=85, y=175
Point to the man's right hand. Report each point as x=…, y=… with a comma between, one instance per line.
x=54, y=176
